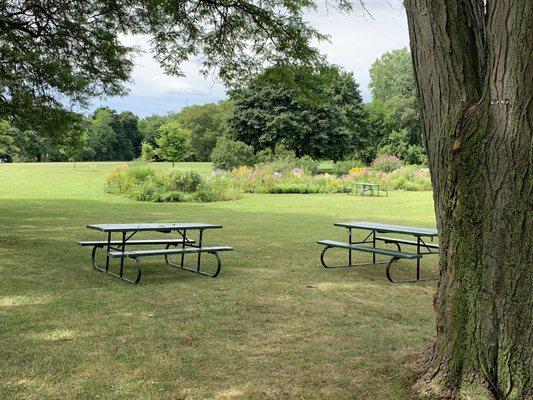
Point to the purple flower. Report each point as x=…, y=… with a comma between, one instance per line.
x=296, y=171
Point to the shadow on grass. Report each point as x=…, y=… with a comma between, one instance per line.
x=273, y=324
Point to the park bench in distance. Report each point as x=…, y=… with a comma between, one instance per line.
x=179, y=246
x=368, y=245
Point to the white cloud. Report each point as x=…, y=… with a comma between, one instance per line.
x=356, y=40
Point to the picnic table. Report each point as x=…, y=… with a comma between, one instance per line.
x=370, y=244
x=371, y=189
x=180, y=245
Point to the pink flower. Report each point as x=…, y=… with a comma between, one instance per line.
x=296, y=171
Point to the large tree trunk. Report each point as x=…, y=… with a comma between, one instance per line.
x=474, y=74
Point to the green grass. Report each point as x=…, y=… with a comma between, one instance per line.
x=274, y=325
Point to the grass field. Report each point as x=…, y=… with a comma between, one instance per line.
x=274, y=325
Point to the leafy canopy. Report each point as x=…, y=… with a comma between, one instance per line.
x=56, y=55
x=391, y=75
x=315, y=112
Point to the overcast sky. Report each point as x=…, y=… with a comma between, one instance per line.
x=356, y=40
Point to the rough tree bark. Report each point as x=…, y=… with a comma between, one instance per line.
x=474, y=73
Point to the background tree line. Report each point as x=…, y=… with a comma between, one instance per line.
x=312, y=111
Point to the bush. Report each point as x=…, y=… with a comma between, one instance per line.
x=139, y=182
x=283, y=153
x=172, y=197
x=308, y=165
x=264, y=156
x=140, y=171
x=387, y=163
x=147, y=190
x=230, y=154
x=411, y=178
x=415, y=155
x=187, y=181
x=341, y=168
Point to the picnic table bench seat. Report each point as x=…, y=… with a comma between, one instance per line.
x=143, y=242
x=137, y=254
x=366, y=249
x=165, y=252
x=405, y=241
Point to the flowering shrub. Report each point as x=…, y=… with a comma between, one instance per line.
x=341, y=168
x=308, y=165
x=387, y=163
x=263, y=179
x=187, y=181
x=355, y=171
x=142, y=183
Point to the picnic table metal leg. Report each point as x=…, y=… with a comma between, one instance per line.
x=199, y=254
x=387, y=271
x=350, y=250
x=108, y=248
x=373, y=245
x=184, y=237
x=122, y=245
x=418, y=259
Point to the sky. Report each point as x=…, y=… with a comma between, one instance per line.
x=356, y=41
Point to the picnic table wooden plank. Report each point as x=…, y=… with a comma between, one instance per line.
x=379, y=227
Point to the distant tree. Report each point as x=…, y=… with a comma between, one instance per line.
x=312, y=112
x=7, y=139
x=30, y=145
x=149, y=128
x=101, y=135
x=173, y=142
x=113, y=136
x=147, y=152
x=206, y=123
x=229, y=154
x=394, y=107
x=391, y=75
x=397, y=144
x=129, y=125
x=73, y=144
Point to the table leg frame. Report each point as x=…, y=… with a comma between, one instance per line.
x=325, y=265
x=120, y=276
x=196, y=270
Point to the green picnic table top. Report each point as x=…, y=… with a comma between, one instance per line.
x=160, y=226
x=379, y=227
x=368, y=184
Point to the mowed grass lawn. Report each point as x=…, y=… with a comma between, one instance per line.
x=273, y=325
